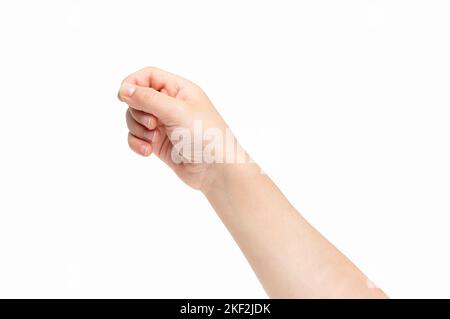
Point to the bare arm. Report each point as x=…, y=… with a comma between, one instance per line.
x=290, y=258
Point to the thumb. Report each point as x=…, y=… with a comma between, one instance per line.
x=148, y=100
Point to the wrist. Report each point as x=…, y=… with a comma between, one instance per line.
x=213, y=178
x=219, y=175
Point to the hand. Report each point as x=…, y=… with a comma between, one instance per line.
x=289, y=256
x=161, y=104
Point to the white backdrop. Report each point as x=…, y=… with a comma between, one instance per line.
x=344, y=103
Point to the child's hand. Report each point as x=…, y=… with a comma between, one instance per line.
x=290, y=257
x=159, y=104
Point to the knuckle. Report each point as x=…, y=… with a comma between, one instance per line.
x=150, y=68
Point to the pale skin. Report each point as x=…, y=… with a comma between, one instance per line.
x=289, y=256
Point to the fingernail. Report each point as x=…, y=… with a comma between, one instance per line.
x=149, y=135
x=128, y=89
x=144, y=149
x=148, y=120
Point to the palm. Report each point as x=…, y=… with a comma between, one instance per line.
x=190, y=173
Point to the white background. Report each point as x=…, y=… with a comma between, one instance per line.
x=344, y=103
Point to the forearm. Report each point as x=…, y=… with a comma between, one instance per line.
x=290, y=258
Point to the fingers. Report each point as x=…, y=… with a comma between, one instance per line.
x=139, y=146
x=157, y=79
x=149, y=100
x=145, y=119
x=138, y=130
